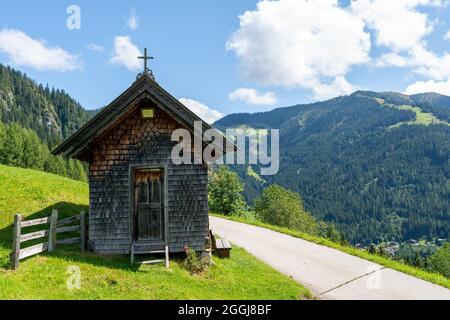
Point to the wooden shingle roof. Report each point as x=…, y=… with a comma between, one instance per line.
x=78, y=145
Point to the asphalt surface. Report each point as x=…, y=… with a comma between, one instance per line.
x=328, y=273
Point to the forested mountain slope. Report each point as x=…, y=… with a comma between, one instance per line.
x=33, y=120
x=375, y=164
x=51, y=113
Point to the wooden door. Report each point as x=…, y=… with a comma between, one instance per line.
x=149, y=205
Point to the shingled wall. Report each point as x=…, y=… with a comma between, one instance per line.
x=143, y=142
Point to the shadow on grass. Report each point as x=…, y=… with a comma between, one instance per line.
x=73, y=255
x=65, y=252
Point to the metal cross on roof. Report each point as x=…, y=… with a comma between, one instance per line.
x=145, y=57
x=147, y=71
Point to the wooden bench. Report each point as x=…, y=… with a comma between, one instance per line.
x=221, y=246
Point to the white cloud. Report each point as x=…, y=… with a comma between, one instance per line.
x=429, y=64
x=338, y=87
x=400, y=27
x=95, y=47
x=251, y=96
x=397, y=24
x=23, y=50
x=204, y=112
x=133, y=20
x=300, y=43
x=447, y=35
x=442, y=87
x=313, y=44
x=392, y=59
x=126, y=53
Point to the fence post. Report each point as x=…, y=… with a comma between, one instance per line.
x=52, y=233
x=16, y=241
x=82, y=231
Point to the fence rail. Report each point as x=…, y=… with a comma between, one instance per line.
x=56, y=227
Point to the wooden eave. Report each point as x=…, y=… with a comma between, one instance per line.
x=78, y=146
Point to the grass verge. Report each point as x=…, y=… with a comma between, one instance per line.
x=384, y=261
x=242, y=277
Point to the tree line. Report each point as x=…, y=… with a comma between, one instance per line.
x=282, y=207
x=21, y=147
x=50, y=112
x=275, y=205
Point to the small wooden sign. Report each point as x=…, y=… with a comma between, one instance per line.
x=148, y=113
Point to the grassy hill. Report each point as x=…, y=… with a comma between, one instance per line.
x=34, y=194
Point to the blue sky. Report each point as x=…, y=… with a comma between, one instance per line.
x=220, y=61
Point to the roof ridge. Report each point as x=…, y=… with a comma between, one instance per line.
x=78, y=141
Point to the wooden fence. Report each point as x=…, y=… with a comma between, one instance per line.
x=56, y=227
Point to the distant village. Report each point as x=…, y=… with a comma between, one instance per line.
x=392, y=248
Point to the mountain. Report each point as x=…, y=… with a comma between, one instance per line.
x=33, y=120
x=375, y=164
x=51, y=113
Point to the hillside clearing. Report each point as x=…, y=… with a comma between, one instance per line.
x=422, y=117
x=112, y=277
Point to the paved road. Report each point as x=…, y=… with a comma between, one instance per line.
x=328, y=273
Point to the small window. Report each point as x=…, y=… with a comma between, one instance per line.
x=148, y=113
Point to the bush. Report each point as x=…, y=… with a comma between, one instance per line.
x=225, y=192
x=284, y=208
x=193, y=262
x=440, y=261
x=329, y=231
